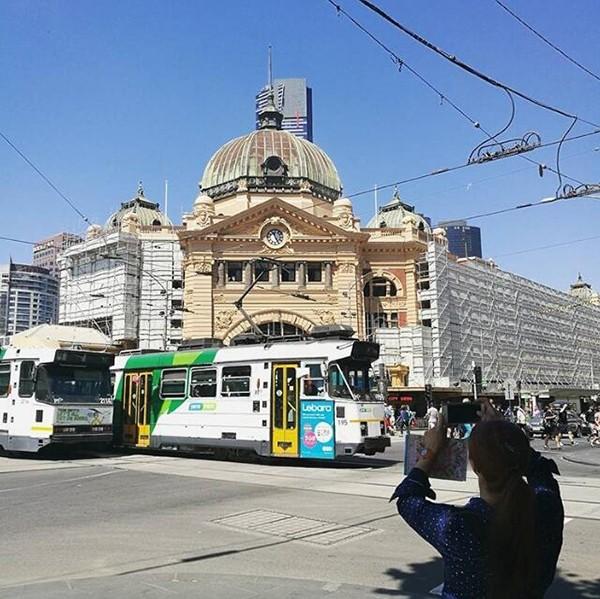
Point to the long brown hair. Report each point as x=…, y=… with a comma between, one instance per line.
x=500, y=454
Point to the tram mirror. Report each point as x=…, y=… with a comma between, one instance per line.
x=303, y=372
x=324, y=370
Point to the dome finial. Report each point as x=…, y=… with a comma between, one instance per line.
x=140, y=190
x=270, y=73
x=269, y=116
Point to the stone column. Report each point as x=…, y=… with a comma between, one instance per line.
x=247, y=273
x=301, y=275
x=328, y=275
x=220, y=273
x=274, y=275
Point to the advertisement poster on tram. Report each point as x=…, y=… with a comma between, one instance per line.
x=317, y=438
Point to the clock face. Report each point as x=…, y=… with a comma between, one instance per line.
x=275, y=237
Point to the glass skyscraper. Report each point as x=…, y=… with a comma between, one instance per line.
x=464, y=240
x=28, y=297
x=294, y=99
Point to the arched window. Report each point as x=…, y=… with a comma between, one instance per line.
x=277, y=329
x=156, y=223
x=380, y=287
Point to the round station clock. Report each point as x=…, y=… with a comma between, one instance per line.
x=275, y=237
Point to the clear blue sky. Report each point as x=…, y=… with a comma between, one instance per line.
x=102, y=94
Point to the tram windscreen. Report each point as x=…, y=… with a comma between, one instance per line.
x=352, y=379
x=68, y=384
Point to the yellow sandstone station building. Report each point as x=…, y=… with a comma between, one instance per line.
x=270, y=194
x=438, y=319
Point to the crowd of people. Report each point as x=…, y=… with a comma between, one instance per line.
x=554, y=419
x=400, y=420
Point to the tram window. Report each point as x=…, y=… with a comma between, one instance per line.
x=203, y=383
x=314, y=383
x=26, y=379
x=278, y=397
x=292, y=406
x=4, y=380
x=173, y=383
x=337, y=385
x=236, y=381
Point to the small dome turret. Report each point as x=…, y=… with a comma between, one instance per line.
x=396, y=215
x=148, y=213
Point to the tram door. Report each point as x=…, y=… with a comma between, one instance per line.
x=136, y=409
x=284, y=410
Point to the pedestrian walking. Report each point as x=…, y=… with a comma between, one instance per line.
x=432, y=416
x=509, y=414
x=550, y=426
x=494, y=547
x=563, y=426
x=521, y=419
x=388, y=413
x=404, y=420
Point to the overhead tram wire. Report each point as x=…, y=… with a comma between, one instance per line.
x=542, y=202
x=549, y=246
x=45, y=178
x=457, y=167
x=468, y=68
x=442, y=96
x=13, y=239
x=546, y=40
x=401, y=63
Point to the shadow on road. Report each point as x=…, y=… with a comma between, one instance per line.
x=418, y=579
x=73, y=453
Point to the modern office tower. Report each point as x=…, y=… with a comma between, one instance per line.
x=294, y=99
x=464, y=240
x=45, y=252
x=28, y=297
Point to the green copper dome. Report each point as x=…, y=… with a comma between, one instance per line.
x=396, y=215
x=148, y=213
x=270, y=159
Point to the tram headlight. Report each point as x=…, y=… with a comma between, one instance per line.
x=364, y=429
x=65, y=429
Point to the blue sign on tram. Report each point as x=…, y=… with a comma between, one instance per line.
x=317, y=434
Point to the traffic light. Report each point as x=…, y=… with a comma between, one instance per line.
x=428, y=394
x=478, y=380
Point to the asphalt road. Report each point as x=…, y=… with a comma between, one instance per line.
x=149, y=526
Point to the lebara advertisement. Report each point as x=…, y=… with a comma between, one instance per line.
x=317, y=438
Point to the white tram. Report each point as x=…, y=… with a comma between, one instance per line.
x=54, y=390
x=312, y=398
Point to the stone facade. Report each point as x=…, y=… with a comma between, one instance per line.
x=328, y=262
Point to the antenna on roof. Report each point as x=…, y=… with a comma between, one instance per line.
x=270, y=73
x=375, y=200
x=167, y=198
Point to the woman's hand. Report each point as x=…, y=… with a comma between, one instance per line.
x=433, y=442
x=488, y=411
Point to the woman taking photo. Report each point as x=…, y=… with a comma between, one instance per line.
x=505, y=543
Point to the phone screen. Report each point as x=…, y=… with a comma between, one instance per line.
x=462, y=413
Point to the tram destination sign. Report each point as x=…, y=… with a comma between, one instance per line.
x=365, y=350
